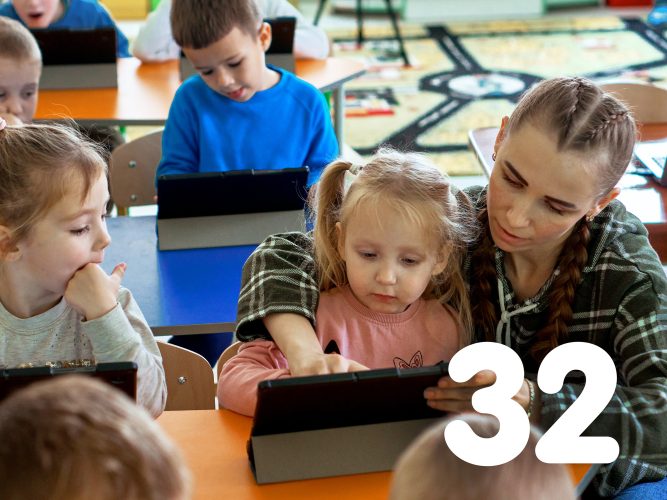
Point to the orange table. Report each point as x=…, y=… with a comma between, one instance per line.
x=145, y=92
x=213, y=443
x=642, y=195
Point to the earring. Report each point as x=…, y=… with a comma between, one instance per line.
x=590, y=217
x=493, y=156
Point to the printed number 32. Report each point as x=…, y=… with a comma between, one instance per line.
x=563, y=442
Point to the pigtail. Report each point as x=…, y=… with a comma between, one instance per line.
x=571, y=263
x=325, y=205
x=454, y=292
x=483, y=282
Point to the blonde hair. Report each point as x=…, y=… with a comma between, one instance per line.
x=197, y=24
x=416, y=189
x=428, y=470
x=75, y=437
x=16, y=42
x=582, y=118
x=39, y=164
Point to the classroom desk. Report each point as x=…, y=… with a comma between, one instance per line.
x=642, y=195
x=179, y=291
x=145, y=92
x=214, y=446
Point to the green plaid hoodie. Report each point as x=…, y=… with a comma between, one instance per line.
x=620, y=305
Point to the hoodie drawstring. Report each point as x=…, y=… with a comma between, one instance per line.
x=506, y=315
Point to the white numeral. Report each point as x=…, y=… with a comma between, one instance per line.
x=496, y=400
x=563, y=442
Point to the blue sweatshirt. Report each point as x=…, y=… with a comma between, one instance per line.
x=286, y=126
x=84, y=14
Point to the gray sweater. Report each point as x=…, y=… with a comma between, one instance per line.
x=61, y=336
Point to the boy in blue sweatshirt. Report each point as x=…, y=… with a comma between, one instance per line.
x=55, y=14
x=239, y=113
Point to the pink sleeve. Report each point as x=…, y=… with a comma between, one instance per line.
x=256, y=361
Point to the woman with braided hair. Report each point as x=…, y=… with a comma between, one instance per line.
x=559, y=260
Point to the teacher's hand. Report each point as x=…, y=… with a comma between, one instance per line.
x=456, y=397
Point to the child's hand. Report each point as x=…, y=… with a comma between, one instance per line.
x=320, y=364
x=92, y=292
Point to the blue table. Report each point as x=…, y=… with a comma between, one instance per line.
x=180, y=292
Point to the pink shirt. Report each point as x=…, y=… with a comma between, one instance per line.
x=424, y=334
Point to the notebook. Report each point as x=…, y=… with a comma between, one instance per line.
x=122, y=375
x=347, y=423
x=237, y=207
x=280, y=53
x=77, y=58
x=653, y=156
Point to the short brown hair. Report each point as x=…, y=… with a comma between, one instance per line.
x=199, y=23
x=429, y=470
x=75, y=437
x=16, y=42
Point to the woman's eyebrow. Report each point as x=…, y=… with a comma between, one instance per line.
x=564, y=203
x=516, y=173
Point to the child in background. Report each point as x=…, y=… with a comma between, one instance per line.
x=388, y=252
x=20, y=69
x=77, y=437
x=57, y=306
x=428, y=469
x=238, y=113
x=55, y=14
x=154, y=42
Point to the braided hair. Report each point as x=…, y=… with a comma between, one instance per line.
x=584, y=119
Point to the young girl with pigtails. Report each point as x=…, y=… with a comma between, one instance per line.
x=388, y=242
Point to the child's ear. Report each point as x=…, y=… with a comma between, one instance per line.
x=8, y=249
x=265, y=36
x=441, y=262
x=340, y=240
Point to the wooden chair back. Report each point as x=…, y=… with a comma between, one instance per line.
x=647, y=102
x=132, y=171
x=190, y=383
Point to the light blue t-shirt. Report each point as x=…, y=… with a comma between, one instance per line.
x=286, y=126
x=79, y=14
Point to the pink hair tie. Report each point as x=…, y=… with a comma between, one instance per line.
x=3, y=123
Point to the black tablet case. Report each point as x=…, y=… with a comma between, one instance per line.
x=329, y=425
x=122, y=375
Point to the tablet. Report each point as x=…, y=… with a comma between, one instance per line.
x=345, y=399
x=231, y=192
x=78, y=58
x=122, y=375
x=76, y=46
